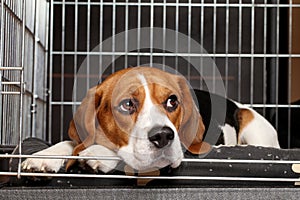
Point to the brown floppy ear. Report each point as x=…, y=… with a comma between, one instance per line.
x=82, y=129
x=192, y=127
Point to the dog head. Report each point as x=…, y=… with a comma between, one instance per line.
x=144, y=115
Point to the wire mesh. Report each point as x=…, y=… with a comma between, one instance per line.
x=250, y=42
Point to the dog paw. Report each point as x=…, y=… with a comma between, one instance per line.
x=42, y=165
x=99, y=165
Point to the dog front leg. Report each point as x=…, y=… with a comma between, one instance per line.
x=102, y=165
x=64, y=148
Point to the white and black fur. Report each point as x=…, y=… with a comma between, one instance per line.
x=226, y=132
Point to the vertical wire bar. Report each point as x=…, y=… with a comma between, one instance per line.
x=226, y=44
x=151, y=31
x=46, y=70
x=113, y=34
x=164, y=31
x=214, y=42
x=264, y=59
x=290, y=70
x=9, y=25
x=62, y=68
x=5, y=39
x=6, y=73
x=202, y=43
x=277, y=60
x=75, y=56
x=35, y=65
x=189, y=39
x=252, y=52
x=50, y=72
x=101, y=37
x=176, y=34
x=88, y=28
x=15, y=52
x=11, y=31
x=2, y=21
x=240, y=51
x=126, y=35
x=139, y=32
x=21, y=86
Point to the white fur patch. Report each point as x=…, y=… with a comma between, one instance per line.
x=229, y=135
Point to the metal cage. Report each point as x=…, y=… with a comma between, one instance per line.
x=44, y=45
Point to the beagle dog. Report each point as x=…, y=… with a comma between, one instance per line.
x=147, y=118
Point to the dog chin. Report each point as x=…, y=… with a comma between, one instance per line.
x=158, y=164
x=144, y=163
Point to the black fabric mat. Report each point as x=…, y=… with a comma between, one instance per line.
x=32, y=145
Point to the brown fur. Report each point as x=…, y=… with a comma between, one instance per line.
x=244, y=117
x=192, y=128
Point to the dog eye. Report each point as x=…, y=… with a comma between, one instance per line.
x=127, y=106
x=171, y=103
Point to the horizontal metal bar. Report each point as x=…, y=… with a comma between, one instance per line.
x=272, y=106
x=11, y=68
x=10, y=93
x=177, y=54
x=211, y=178
x=61, y=157
x=230, y=5
x=10, y=83
x=242, y=161
x=66, y=103
x=70, y=103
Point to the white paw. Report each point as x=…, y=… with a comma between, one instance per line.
x=49, y=165
x=99, y=165
x=42, y=165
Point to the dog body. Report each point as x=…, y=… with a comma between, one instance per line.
x=242, y=125
x=144, y=116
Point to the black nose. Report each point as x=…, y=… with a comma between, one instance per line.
x=161, y=136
